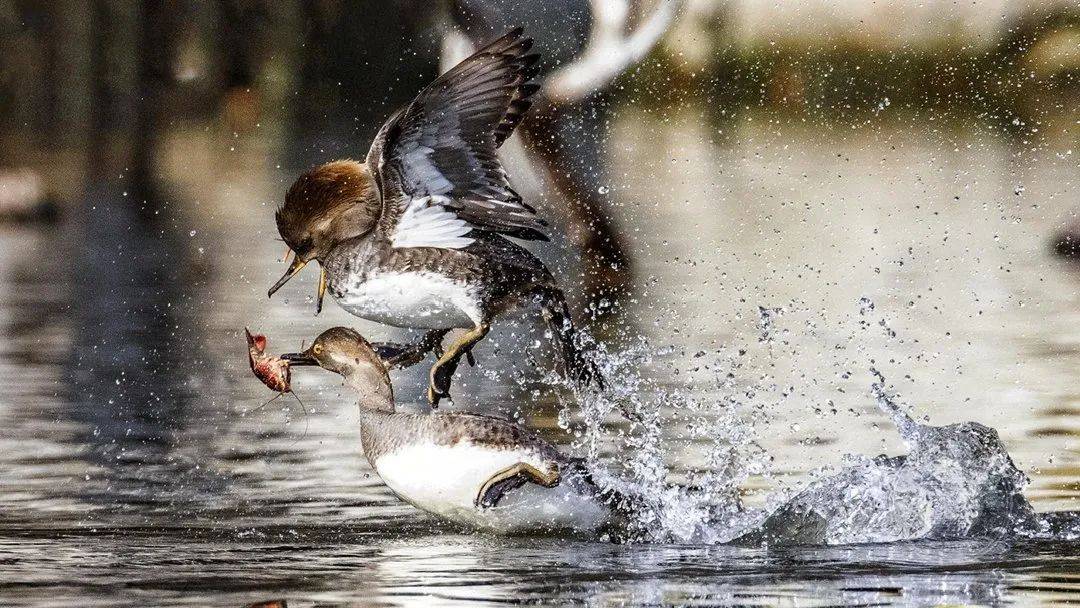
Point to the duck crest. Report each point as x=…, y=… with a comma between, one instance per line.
x=329, y=203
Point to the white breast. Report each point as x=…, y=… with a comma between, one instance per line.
x=412, y=299
x=445, y=480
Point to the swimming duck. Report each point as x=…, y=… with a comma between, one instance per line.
x=470, y=469
x=414, y=236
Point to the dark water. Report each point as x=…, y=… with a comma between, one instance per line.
x=135, y=471
x=368, y=566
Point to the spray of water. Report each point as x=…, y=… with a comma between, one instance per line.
x=956, y=481
x=625, y=432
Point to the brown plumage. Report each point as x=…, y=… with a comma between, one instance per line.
x=327, y=204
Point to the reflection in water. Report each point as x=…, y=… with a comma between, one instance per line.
x=134, y=293
x=424, y=570
x=129, y=462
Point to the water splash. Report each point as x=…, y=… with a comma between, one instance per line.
x=623, y=438
x=905, y=425
x=956, y=481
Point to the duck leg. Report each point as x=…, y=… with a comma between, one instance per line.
x=443, y=370
x=511, y=478
x=400, y=356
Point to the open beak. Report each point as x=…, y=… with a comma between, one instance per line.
x=296, y=266
x=304, y=358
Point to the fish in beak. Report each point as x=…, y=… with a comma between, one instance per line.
x=272, y=371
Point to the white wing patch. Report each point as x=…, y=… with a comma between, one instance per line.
x=427, y=223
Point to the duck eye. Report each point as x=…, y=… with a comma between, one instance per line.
x=304, y=246
x=317, y=349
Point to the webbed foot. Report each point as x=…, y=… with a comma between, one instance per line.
x=439, y=381
x=396, y=355
x=511, y=478
x=442, y=373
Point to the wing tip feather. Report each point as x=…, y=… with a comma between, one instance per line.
x=492, y=109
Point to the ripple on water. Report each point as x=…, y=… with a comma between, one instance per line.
x=129, y=476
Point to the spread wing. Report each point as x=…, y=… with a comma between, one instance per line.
x=435, y=159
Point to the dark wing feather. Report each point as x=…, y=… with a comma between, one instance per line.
x=440, y=150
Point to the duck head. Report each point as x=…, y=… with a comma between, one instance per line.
x=326, y=205
x=344, y=351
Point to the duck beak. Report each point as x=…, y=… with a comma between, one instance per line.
x=322, y=289
x=296, y=266
x=304, y=358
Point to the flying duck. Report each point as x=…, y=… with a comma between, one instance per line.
x=415, y=236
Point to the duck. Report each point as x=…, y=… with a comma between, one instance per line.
x=416, y=235
x=473, y=470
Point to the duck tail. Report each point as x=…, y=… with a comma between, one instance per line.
x=577, y=364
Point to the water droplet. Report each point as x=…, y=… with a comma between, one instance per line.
x=866, y=305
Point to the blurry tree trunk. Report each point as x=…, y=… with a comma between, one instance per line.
x=101, y=109
x=316, y=17
x=236, y=43
x=31, y=65
x=239, y=45
x=51, y=70
x=355, y=66
x=155, y=50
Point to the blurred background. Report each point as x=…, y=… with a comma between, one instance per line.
x=801, y=191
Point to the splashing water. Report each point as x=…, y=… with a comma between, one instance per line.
x=956, y=481
x=625, y=446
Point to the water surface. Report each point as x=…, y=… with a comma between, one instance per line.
x=135, y=470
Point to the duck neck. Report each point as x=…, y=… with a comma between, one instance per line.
x=373, y=388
